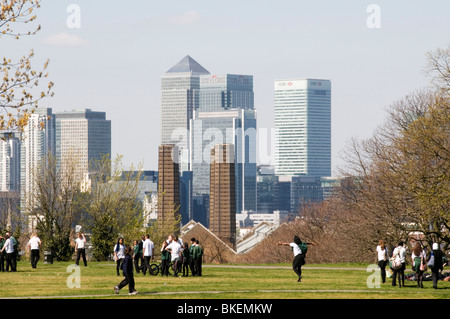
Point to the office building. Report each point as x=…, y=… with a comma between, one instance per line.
x=222, y=211
x=9, y=161
x=226, y=91
x=179, y=98
x=38, y=141
x=82, y=136
x=303, y=127
x=236, y=127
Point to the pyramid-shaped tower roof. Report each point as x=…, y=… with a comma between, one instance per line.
x=188, y=65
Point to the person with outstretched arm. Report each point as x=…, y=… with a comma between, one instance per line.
x=299, y=249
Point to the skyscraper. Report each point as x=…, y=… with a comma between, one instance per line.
x=222, y=211
x=81, y=136
x=221, y=92
x=179, y=98
x=236, y=127
x=303, y=127
x=38, y=140
x=168, y=188
x=9, y=161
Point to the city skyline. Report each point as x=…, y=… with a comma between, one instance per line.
x=116, y=67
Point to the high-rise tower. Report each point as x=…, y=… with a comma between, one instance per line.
x=222, y=211
x=179, y=98
x=303, y=127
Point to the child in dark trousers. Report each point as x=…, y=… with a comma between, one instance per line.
x=127, y=268
x=186, y=259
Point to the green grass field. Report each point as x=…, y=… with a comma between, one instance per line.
x=346, y=281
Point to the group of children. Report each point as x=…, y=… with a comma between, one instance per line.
x=173, y=251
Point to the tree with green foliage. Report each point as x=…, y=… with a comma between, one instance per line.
x=53, y=205
x=112, y=205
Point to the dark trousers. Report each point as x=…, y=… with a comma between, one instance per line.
x=118, y=263
x=146, y=265
x=192, y=265
x=297, y=265
x=382, y=264
x=400, y=273
x=165, y=267
x=2, y=261
x=419, y=278
x=34, y=257
x=435, y=277
x=128, y=280
x=81, y=253
x=186, y=266
x=198, y=266
x=11, y=262
x=137, y=259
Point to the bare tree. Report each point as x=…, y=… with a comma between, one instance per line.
x=20, y=82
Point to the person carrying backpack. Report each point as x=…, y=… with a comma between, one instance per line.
x=299, y=249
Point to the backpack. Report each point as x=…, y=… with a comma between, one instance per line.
x=303, y=247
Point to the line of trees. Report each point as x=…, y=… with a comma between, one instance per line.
x=108, y=205
x=396, y=183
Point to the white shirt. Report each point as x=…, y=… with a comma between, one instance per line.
x=147, y=248
x=34, y=242
x=296, y=249
x=382, y=253
x=175, y=248
x=120, y=252
x=80, y=243
x=9, y=246
x=401, y=251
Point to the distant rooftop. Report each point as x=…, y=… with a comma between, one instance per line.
x=188, y=65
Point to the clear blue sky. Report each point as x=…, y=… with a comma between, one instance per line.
x=115, y=60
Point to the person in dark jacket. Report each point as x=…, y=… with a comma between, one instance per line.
x=438, y=266
x=127, y=268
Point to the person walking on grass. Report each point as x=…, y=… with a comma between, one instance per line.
x=198, y=258
x=191, y=257
x=437, y=266
x=127, y=268
x=165, y=259
x=8, y=247
x=119, y=254
x=34, y=244
x=186, y=258
x=80, y=244
x=175, y=250
x=419, y=263
x=400, y=253
x=2, y=254
x=147, y=251
x=299, y=258
x=382, y=258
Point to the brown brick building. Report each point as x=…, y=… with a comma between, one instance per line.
x=222, y=202
x=168, y=189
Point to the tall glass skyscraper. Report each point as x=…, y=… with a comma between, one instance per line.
x=226, y=91
x=9, y=161
x=236, y=127
x=179, y=98
x=38, y=141
x=303, y=127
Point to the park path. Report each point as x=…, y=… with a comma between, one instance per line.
x=284, y=267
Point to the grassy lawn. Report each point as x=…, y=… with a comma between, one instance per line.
x=278, y=281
